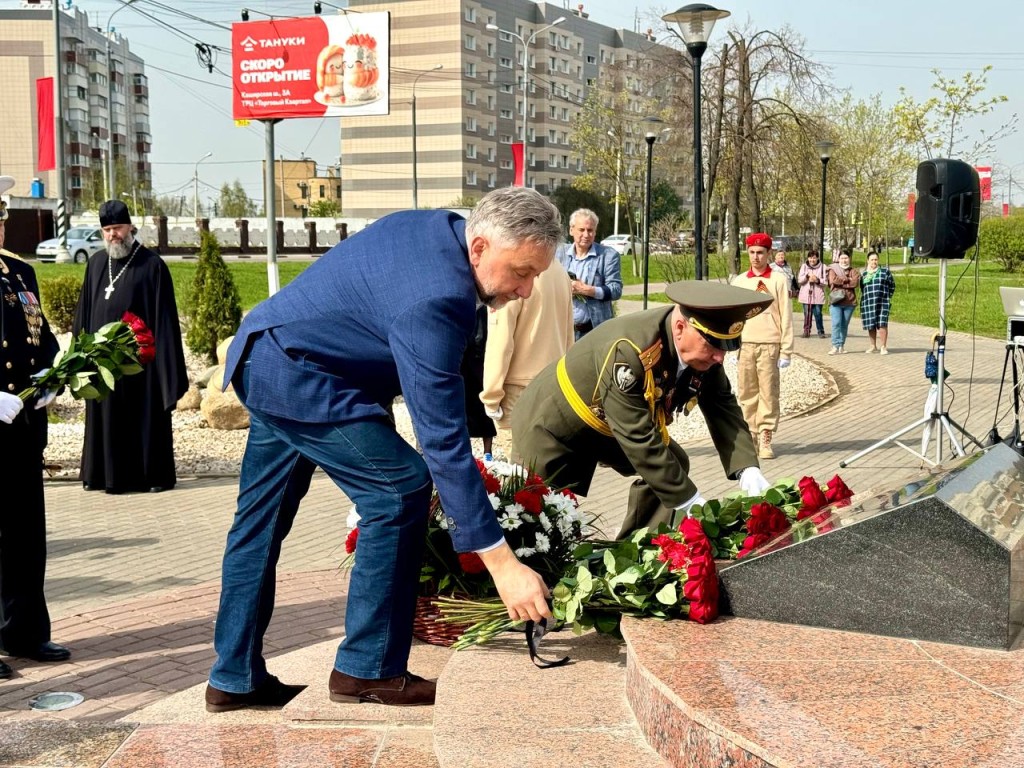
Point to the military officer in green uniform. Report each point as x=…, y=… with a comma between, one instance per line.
x=27, y=346
x=611, y=398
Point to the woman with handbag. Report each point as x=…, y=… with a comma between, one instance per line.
x=812, y=293
x=842, y=282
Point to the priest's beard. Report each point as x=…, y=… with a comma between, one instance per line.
x=120, y=249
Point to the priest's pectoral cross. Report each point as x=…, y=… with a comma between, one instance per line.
x=107, y=291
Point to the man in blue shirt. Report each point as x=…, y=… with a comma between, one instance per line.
x=595, y=270
x=387, y=312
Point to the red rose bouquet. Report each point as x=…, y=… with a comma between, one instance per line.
x=542, y=525
x=92, y=364
x=787, y=512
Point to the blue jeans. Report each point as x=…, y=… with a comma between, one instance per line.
x=841, y=317
x=390, y=485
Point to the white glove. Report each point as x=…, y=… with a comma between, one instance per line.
x=686, y=506
x=47, y=397
x=495, y=414
x=10, y=406
x=783, y=363
x=752, y=482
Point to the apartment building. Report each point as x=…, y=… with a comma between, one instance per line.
x=465, y=81
x=105, y=105
x=299, y=184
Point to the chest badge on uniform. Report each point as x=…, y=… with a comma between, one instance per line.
x=625, y=379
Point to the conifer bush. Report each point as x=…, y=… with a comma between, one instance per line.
x=214, y=307
x=60, y=298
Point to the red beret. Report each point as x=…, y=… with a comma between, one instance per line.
x=759, y=239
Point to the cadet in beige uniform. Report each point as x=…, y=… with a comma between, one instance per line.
x=612, y=396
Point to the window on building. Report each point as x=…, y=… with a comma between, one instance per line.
x=565, y=161
x=505, y=62
x=552, y=39
x=551, y=161
x=552, y=64
x=591, y=60
x=471, y=178
x=490, y=154
x=552, y=136
x=470, y=69
x=505, y=164
x=470, y=42
x=532, y=160
x=506, y=87
x=505, y=36
x=471, y=96
x=470, y=123
x=506, y=114
x=490, y=180
x=490, y=101
x=471, y=151
x=553, y=112
x=565, y=113
x=531, y=135
x=563, y=137
x=490, y=129
x=505, y=138
x=470, y=14
x=323, y=191
x=490, y=50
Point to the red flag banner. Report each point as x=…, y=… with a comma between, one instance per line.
x=985, y=177
x=911, y=199
x=44, y=118
x=519, y=163
x=1006, y=209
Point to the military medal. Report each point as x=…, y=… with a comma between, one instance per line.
x=33, y=316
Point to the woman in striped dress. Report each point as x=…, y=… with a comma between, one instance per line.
x=876, y=289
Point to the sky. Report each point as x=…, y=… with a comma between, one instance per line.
x=871, y=46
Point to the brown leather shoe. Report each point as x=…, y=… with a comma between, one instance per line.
x=271, y=693
x=406, y=690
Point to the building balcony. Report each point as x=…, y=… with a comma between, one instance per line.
x=99, y=131
x=143, y=147
x=141, y=90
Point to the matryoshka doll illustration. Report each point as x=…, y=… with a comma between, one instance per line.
x=329, y=74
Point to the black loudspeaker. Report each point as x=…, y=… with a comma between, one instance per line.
x=947, y=210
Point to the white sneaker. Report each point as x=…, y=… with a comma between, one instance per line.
x=833, y=351
x=884, y=351
x=842, y=350
x=870, y=350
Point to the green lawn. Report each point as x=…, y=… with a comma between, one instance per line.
x=972, y=296
x=249, y=277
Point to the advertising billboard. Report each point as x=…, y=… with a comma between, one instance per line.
x=311, y=67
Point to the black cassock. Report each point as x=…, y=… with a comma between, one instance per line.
x=128, y=440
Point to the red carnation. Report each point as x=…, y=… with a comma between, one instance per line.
x=491, y=483
x=532, y=501
x=143, y=337
x=350, y=540
x=471, y=563
x=566, y=492
x=811, y=497
x=672, y=552
x=837, y=490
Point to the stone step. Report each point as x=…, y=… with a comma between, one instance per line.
x=495, y=709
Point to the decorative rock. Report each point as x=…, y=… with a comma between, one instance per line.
x=203, y=379
x=222, y=350
x=191, y=400
x=223, y=410
x=216, y=381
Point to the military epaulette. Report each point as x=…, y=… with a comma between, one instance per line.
x=9, y=255
x=648, y=357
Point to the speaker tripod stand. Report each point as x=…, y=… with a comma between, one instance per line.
x=1010, y=360
x=937, y=422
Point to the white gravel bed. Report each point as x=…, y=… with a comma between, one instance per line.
x=200, y=450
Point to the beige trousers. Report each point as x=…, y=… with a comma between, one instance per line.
x=757, y=379
x=503, y=445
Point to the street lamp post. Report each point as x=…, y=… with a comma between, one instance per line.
x=824, y=148
x=195, y=187
x=111, y=166
x=415, y=177
x=695, y=24
x=527, y=42
x=650, y=138
x=618, y=176
x=63, y=255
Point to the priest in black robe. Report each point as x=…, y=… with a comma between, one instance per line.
x=129, y=445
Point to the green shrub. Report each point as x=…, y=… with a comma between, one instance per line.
x=60, y=298
x=1002, y=240
x=213, y=305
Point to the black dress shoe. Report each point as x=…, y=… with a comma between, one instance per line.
x=48, y=651
x=5, y=671
x=406, y=690
x=271, y=693
x=159, y=488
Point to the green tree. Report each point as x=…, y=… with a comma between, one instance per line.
x=665, y=202
x=234, y=203
x=214, y=306
x=1002, y=241
x=324, y=209
x=941, y=123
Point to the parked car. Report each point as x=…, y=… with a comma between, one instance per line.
x=83, y=242
x=623, y=244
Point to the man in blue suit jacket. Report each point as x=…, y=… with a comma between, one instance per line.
x=386, y=312
x=596, y=272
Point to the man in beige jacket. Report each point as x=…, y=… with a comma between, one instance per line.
x=523, y=338
x=767, y=345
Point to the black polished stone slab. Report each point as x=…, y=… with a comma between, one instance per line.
x=939, y=559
